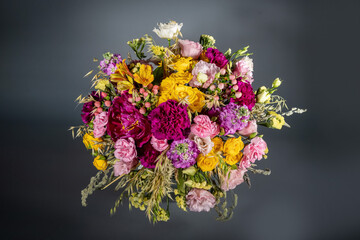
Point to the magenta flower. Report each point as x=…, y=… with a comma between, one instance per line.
x=233, y=117
x=148, y=155
x=248, y=97
x=170, y=121
x=86, y=112
x=126, y=121
x=217, y=57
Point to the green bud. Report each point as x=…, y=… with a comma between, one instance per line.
x=207, y=41
x=276, y=83
x=190, y=171
x=253, y=135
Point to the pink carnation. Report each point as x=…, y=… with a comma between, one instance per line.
x=204, y=127
x=244, y=68
x=200, y=200
x=121, y=167
x=125, y=149
x=159, y=145
x=101, y=120
x=99, y=131
x=190, y=49
x=249, y=129
x=236, y=178
x=255, y=150
x=209, y=69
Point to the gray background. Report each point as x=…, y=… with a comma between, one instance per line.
x=46, y=48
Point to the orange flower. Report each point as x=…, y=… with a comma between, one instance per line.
x=123, y=77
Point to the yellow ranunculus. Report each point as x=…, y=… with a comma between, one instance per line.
x=167, y=85
x=144, y=76
x=233, y=159
x=181, y=77
x=181, y=64
x=163, y=98
x=233, y=146
x=199, y=102
x=100, y=162
x=92, y=143
x=101, y=84
x=276, y=121
x=218, y=145
x=208, y=162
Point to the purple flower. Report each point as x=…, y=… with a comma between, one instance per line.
x=126, y=121
x=86, y=112
x=183, y=153
x=247, y=97
x=233, y=117
x=148, y=155
x=170, y=121
x=108, y=64
x=217, y=57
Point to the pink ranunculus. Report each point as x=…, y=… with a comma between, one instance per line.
x=121, y=167
x=236, y=178
x=249, y=129
x=255, y=149
x=101, y=120
x=99, y=131
x=125, y=149
x=205, y=145
x=190, y=48
x=204, y=127
x=207, y=70
x=244, y=68
x=159, y=145
x=200, y=200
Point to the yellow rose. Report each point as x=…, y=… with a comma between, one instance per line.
x=192, y=96
x=100, y=162
x=92, y=143
x=218, y=145
x=233, y=146
x=233, y=159
x=181, y=64
x=181, y=77
x=208, y=162
x=199, y=102
x=167, y=85
x=276, y=121
x=163, y=98
x=101, y=84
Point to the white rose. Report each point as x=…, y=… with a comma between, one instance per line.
x=168, y=30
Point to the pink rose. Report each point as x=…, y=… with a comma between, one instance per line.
x=190, y=48
x=249, y=129
x=159, y=145
x=244, y=68
x=204, y=127
x=203, y=74
x=101, y=120
x=125, y=150
x=236, y=178
x=99, y=131
x=121, y=167
x=205, y=145
x=200, y=200
x=255, y=149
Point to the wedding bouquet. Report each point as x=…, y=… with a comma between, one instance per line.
x=179, y=123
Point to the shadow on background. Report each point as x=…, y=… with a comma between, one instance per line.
x=46, y=48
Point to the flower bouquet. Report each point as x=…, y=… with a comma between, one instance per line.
x=179, y=123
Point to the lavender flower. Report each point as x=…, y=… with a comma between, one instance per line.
x=108, y=65
x=233, y=117
x=183, y=153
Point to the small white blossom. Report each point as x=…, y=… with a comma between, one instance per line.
x=168, y=30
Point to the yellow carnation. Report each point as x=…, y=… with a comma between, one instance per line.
x=181, y=77
x=218, y=145
x=208, y=162
x=144, y=76
x=276, y=121
x=92, y=143
x=100, y=162
x=233, y=159
x=233, y=146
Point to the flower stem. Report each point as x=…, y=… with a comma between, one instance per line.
x=169, y=42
